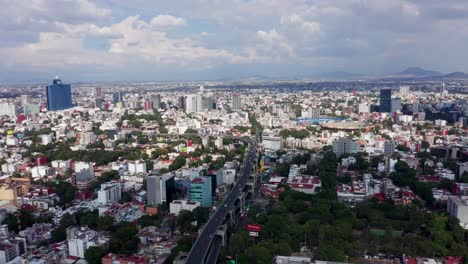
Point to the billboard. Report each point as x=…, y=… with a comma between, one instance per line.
x=254, y=227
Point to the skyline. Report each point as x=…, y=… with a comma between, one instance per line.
x=208, y=40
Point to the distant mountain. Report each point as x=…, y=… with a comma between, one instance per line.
x=417, y=71
x=455, y=75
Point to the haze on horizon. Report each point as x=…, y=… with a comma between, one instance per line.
x=114, y=40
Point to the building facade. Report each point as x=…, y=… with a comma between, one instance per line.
x=58, y=95
x=385, y=100
x=200, y=191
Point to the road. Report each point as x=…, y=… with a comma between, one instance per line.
x=201, y=245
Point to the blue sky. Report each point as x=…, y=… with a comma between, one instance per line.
x=140, y=40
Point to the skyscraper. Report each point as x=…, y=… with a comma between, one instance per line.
x=160, y=188
x=395, y=104
x=58, y=95
x=182, y=103
x=386, y=100
x=98, y=92
x=236, y=102
x=156, y=100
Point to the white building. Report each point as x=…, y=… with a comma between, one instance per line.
x=9, y=168
x=40, y=171
x=345, y=145
x=80, y=239
x=8, y=109
x=63, y=165
x=87, y=138
x=110, y=193
x=458, y=207
x=85, y=168
x=45, y=139
x=364, y=108
x=138, y=166
x=12, y=141
x=177, y=205
x=271, y=142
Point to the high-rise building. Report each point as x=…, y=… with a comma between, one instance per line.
x=395, y=105
x=98, y=92
x=25, y=99
x=110, y=193
x=182, y=103
x=160, y=188
x=156, y=100
x=149, y=105
x=415, y=107
x=58, y=95
x=386, y=100
x=345, y=145
x=200, y=191
x=191, y=103
x=236, y=102
x=199, y=103
x=389, y=147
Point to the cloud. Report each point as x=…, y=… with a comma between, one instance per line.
x=363, y=35
x=167, y=21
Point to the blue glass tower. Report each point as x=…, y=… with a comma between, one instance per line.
x=385, y=100
x=58, y=95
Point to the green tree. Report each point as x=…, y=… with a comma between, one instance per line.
x=93, y=255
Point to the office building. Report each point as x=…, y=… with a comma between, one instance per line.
x=199, y=103
x=58, y=95
x=386, y=100
x=182, y=103
x=156, y=101
x=98, y=92
x=395, y=105
x=200, y=191
x=25, y=100
x=389, y=147
x=110, y=193
x=160, y=188
x=415, y=107
x=148, y=105
x=345, y=145
x=236, y=102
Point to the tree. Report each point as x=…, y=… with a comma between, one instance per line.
x=425, y=145
x=201, y=214
x=11, y=221
x=178, y=163
x=93, y=255
x=105, y=222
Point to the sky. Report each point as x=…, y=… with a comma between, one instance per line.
x=170, y=40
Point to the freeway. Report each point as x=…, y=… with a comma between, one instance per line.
x=203, y=242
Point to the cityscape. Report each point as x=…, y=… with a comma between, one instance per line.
x=167, y=136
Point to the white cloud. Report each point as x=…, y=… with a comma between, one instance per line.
x=167, y=21
x=273, y=43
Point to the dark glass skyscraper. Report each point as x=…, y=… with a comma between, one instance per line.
x=385, y=100
x=58, y=95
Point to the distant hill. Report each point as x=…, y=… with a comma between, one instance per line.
x=456, y=75
x=417, y=71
